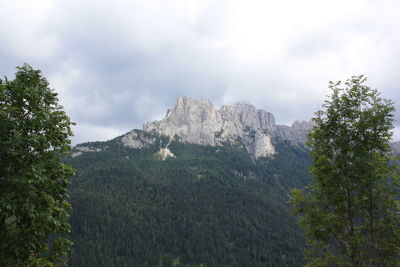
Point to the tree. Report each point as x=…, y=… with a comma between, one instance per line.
x=350, y=212
x=34, y=134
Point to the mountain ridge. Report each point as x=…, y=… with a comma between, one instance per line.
x=196, y=121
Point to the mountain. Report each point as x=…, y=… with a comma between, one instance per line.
x=200, y=187
x=198, y=122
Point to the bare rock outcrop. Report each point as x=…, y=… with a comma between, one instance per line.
x=80, y=149
x=137, y=139
x=295, y=134
x=198, y=122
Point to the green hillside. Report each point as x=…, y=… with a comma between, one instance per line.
x=209, y=206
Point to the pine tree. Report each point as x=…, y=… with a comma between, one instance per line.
x=350, y=212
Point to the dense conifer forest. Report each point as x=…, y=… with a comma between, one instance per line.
x=209, y=206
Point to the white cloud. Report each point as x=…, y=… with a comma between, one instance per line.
x=396, y=134
x=92, y=132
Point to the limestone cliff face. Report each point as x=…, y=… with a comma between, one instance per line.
x=295, y=134
x=136, y=139
x=198, y=122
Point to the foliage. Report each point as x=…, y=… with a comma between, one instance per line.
x=350, y=212
x=209, y=206
x=34, y=133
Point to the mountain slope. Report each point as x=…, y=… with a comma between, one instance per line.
x=210, y=205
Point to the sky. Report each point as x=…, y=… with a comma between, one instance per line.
x=118, y=64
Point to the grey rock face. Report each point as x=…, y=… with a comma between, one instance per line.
x=164, y=153
x=198, y=122
x=79, y=150
x=296, y=134
x=136, y=139
x=194, y=121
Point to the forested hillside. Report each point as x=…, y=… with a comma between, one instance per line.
x=209, y=206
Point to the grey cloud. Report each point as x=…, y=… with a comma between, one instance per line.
x=118, y=69
x=119, y=64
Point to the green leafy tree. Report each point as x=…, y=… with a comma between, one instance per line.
x=350, y=212
x=34, y=134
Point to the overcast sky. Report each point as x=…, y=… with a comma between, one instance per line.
x=118, y=64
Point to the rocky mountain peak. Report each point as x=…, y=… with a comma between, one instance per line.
x=190, y=111
x=197, y=121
